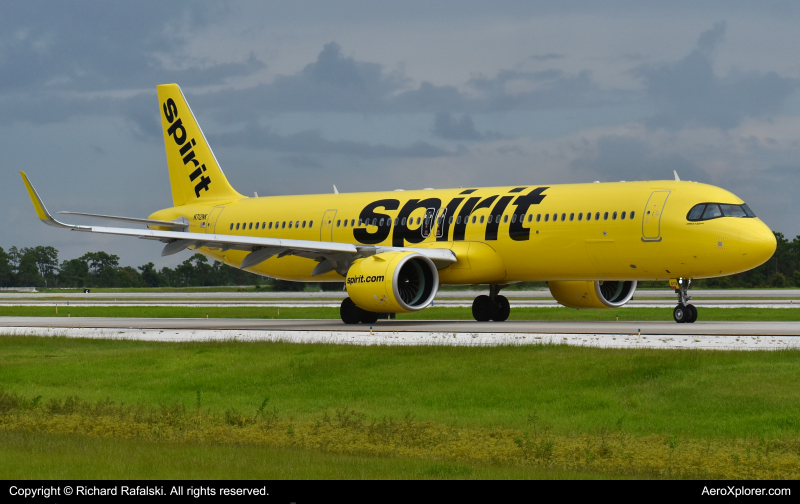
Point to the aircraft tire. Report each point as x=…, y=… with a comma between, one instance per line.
x=368, y=317
x=483, y=308
x=502, y=309
x=681, y=314
x=692, y=314
x=350, y=313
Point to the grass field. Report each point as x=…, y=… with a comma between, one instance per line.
x=434, y=313
x=348, y=411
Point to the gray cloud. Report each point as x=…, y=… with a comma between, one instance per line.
x=687, y=92
x=622, y=158
x=447, y=127
x=312, y=142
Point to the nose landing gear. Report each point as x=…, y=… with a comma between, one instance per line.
x=492, y=307
x=684, y=312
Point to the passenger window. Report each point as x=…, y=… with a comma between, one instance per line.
x=481, y=219
x=345, y=223
x=563, y=217
x=304, y=224
x=310, y=224
x=555, y=217
x=338, y=222
x=352, y=222
x=474, y=219
x=403, y=222
x=374, y=221
x=450, y=221
x=381, y=223
x=237, y=226
x=530, y=217
x=231, y=226
x=732, y=211
x=256, y=225
x=270, y=225
x=633, y=212
x=571, y=217
x=588, y=216
x=458, y=220
x=396, y=221
x=605, y=216
x=614, y=216
x=546, y=217
x=514, y=218
x=283, y=225
x=505, y=218
x=622, y=216
x=263, y=225
x=712, y=211
x=597, y=216
x=251, y=226
x=290, y=224
x=538, y=217
x=490, y=219
x=696, y=212
x=580, y=216
x=360, y=221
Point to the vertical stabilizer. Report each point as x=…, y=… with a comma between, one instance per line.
x=194, y=173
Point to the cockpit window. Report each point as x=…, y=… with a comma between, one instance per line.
x=711, y=212
x=732, y=211
x=705, y=211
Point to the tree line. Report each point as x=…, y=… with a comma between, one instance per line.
x=40, y=267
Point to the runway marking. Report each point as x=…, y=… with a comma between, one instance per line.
x=396, y=338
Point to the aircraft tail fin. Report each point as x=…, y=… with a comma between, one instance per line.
x=194, y=173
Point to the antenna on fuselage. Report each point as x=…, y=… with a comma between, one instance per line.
x=677, y=178
x=335, y=191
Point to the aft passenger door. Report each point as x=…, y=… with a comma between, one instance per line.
x=211, y=220
x=651, y=217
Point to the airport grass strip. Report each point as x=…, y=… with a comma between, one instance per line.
x=433, y=313
x=651, y=413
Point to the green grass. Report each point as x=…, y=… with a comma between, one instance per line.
x=36, y=455
x=434, y=313
x=718, y=413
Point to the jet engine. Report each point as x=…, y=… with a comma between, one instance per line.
x=596, y=294
x=392, y=282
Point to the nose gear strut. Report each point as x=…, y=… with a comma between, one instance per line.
x=684, y=312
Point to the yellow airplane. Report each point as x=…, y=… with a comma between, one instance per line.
x=590, y=242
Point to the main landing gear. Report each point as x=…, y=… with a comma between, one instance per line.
x=684, y=312
x=352, y=314
x=492, y=307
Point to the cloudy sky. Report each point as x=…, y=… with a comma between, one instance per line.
x=296, y=96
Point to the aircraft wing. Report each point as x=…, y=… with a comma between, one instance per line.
x=331, y=256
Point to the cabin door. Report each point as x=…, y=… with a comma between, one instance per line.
x=651, y=217
x=326, y=227
x=211, y=220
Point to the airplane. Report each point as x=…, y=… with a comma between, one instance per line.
x=590, y=242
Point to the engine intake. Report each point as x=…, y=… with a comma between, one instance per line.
x=593, y=294
x=393, y=282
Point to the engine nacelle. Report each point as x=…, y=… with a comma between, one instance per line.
x=392, y=282
x=596, y=294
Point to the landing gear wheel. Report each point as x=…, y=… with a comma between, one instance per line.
x=502, y=309
x=350, y=313
x=368, y=317
x=692, y=313
x=681, y=314
x=483, y=308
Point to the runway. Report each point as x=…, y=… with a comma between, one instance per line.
x=700, y=335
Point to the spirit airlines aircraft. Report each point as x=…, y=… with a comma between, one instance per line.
x=590, y=242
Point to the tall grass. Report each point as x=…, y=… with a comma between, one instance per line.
x=345, y=431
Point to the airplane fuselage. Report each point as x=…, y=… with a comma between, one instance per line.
x=595, y=231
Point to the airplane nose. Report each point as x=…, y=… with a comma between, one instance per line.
x=757, y=242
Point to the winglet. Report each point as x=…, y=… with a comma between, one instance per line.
x=41, y=210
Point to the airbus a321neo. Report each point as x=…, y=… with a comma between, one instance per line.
x=590, y=242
